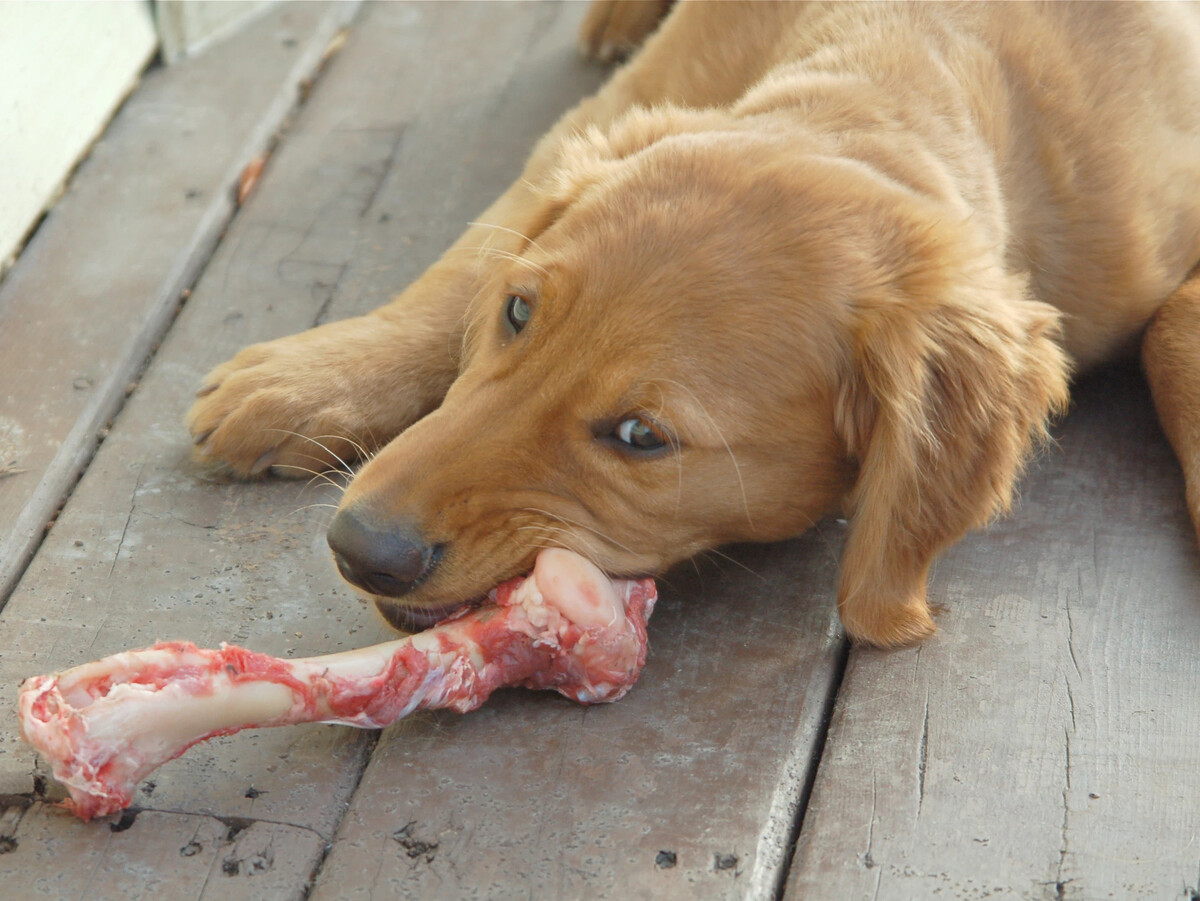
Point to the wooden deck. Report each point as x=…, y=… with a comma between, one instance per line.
x=1046, y=744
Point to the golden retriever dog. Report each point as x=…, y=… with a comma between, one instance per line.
x=793, y=259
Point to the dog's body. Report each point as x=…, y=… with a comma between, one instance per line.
x=792, y=259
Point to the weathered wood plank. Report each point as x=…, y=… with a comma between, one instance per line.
x=687, y=788
x=98, y=284
x=146, y=548
x=1043, y=745
x=397, y=140
x=156, y=856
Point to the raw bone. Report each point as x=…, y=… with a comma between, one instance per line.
x=107, y=725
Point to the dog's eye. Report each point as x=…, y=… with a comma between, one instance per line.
x=517, y=312
x=639, y=434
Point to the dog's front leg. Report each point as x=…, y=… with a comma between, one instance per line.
x=338, y=391
x=342, y=390
x=347, y=388
x=1171, y=356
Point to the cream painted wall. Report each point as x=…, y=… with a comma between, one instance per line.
x=64, y=68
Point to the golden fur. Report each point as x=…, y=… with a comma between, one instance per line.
x=844, y=257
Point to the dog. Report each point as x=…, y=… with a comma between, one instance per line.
x=792, y=259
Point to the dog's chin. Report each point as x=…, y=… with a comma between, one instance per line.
x=415, y=619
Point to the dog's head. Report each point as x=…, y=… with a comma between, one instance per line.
x=705, y=338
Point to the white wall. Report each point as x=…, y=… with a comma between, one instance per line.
x=64, y=68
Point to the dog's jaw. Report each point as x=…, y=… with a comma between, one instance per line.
x=408, y=618
x=578, y=587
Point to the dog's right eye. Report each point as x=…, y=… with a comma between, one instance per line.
x=517, y=312
x=639, y=435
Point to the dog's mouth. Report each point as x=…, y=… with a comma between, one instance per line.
x=574, y=583
x=416, y=619
x=399, y=568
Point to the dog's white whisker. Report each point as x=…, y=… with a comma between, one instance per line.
x=566, y=538
x=471, y=323
x=327, y=473
x=324, y=476
x=603, y=536
x=345, y=465
x=364, y=444
x=738, y=563
x=674, y=442
x=511, y=231
x=345, y=469
x=721, y=435
x=362, y=451
x=514, y=257
x=311, y=506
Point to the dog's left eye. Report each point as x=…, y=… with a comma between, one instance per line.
x=517, y=312
x=639, y=434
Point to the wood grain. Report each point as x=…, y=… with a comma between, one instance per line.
x=99, y=283
x=156, y=855
x=1042, y=745
x=687, y=788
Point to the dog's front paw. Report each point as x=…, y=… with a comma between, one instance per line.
x=886, y=625
x=613, y=29
x=284, y=406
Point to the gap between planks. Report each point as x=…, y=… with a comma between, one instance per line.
x=58, y=480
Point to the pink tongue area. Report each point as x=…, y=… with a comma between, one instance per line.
x=580, y=591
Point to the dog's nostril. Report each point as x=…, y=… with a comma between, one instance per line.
x=388, y=561
x=343, y=566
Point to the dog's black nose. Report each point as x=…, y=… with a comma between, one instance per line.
x=389, y=561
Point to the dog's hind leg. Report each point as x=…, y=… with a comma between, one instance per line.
x=614, y=29
x=1171, y=357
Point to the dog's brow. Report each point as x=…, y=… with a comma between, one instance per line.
x=511, y=231
x=514, y=257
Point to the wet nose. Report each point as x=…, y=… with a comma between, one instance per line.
x=389, y=560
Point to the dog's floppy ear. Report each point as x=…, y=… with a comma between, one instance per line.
x=953, y=372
